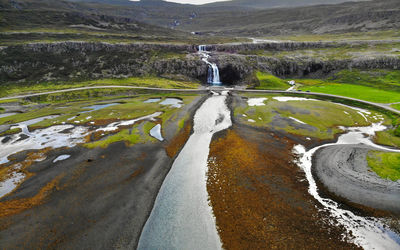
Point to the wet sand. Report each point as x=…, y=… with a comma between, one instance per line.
x=344, y=171
x=99, y=198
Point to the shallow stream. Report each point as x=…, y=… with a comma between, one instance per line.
x=181, y=217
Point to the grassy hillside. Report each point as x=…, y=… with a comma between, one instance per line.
x=268, y=81
x=236, y=18
x=46, y=20
x=265, y=4
x=346, y=17
x=382, y=86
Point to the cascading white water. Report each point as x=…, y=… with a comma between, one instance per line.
x=213, y=71
x=213, y=74
x=202, y=48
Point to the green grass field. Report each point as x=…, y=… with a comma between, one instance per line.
x=355, y=91
x=386, y=165
x=380, y=86
x=268, y=81
x=396, y=106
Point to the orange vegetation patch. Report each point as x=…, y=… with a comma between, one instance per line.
x=102, y=122
x=12, y=207
x=257, y=198
x=176, y=144
x=135, y=174
x=32, y=157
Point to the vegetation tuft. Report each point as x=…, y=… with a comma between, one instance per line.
x=386, y=165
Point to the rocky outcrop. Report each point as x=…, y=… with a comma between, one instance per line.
x=82, y=61
x=290, y=45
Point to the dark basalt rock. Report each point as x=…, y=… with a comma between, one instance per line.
x=84, y=60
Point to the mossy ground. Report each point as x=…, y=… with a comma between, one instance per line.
x=126, y=108
x=149, y=81
x=321, y=118
x=130, y=137
x=386, y=165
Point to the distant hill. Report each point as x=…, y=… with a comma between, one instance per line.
x=345, y=17
x=265, y=4
x=258, y=4
x=62, y=15
x=224, y=18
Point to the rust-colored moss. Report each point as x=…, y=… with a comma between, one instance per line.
x=176, y=144
x=12, y=207
x=259, y=202
x=102, y=122
x=32, y=157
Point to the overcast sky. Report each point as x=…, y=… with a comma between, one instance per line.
x=196, y=1
x=191, y=1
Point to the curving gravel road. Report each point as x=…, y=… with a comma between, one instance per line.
x=202, y=90
x=100, y=87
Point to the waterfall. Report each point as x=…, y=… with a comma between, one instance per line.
x=202, y=48
x=213, y=74
x=213, y=71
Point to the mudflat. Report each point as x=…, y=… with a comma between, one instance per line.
x=344, y=171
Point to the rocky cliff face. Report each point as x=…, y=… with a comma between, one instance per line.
x=82, y=61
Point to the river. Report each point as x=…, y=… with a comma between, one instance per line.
x=182, y=217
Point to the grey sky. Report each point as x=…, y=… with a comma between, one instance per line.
x=192, y=1
x=196, y=1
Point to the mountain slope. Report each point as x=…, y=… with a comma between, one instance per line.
x=265, y=4
x=346, y=17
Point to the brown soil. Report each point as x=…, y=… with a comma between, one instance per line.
x=12, y=207
x=259, y=198
x=177, y=143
